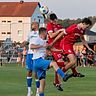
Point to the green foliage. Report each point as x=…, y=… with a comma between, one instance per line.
x=67, y=22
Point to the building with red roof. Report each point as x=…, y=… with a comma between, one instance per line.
x=16, y=19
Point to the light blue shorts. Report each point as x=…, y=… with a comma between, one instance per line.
x=29, y=62
x=40, y=66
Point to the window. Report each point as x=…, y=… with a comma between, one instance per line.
x=9, y=21
x=8, y=32
x=20, y=21
x=20, y=32
x=4, y=21
x=3, y=32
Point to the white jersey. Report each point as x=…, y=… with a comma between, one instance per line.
x=40, y=52
x=31, y=36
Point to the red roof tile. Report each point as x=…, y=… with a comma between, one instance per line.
x=17, y=9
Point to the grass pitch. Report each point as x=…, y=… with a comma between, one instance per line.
x=13, y=82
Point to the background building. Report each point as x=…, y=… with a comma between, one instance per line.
x=16, y=19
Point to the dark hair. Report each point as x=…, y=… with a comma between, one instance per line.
x=53, y=16
x=42, y=30
x=87, y=21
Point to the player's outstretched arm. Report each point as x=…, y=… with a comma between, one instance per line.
x=57, y=38
x=85, y=43
x=52, y=35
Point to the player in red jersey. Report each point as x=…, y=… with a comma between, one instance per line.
x=71, y=34
x=54, y=30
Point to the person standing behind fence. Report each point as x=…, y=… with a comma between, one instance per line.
x=78, y=58
x=19, y=58
x=90, y=59
x=84, y=58
x=1, y=58
x=24, y=56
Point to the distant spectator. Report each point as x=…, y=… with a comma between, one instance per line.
x=0, y=58
x=24, y=56
x=78, y=58
x=8, y=56
x=90, y=59
x=95, y=59
x=83, y=56
x=19, y=58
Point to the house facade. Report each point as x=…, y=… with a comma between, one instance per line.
x=16, y=19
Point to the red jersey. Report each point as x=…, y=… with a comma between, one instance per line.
x=53, y=28
x=72, y=34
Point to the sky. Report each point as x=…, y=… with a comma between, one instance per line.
x=64, y=9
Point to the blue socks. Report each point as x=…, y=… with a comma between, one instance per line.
x=60, y=72
x=41, y=94
x=37, y=83
x=29, y=81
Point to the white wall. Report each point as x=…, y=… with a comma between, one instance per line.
x=15, y=28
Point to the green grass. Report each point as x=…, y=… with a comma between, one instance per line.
x=13, y=82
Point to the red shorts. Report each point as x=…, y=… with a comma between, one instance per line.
x=57, y=55
x=60, y=64
x=67, y=48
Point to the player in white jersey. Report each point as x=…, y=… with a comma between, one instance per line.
x=40, y=65
x=29, y=62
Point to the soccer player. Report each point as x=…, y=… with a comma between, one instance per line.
x=71, y=34
x=40, y=65
x=54, y=30
x=29, y=62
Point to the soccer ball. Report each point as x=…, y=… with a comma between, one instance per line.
x=44, y=9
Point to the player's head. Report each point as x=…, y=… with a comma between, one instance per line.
x=42, y=32
x=86, y=22
x=53, y=17
x=35, y=26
